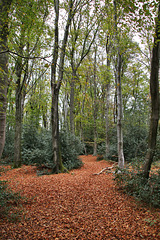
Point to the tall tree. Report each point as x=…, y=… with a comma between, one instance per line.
x=154, y=91
x=108, y=46
x=56, y=83
x=95, y=102
x=4, y=10
x=119, y=93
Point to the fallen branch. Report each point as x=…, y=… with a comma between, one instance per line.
x=105, y=169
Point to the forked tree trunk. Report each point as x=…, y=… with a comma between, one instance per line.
x=55, y=85
x=154, y=91
x=4, y=9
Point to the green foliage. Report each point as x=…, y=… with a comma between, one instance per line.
x=135, y=142
x=7, y=200
x=9, y=147
x=101, y=149
x=37, y=147
x=133, y=183
x=71, y=148
x=157, y=152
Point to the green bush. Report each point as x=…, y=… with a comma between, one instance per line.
x=8, y=147
x=36, y=146
x=133, y=183
x=7, y=200
x=71, y=148
x=135, y=142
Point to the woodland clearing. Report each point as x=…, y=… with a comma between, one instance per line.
x=77, y=205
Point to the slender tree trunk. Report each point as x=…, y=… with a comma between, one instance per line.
x=4, y=9
x=82, y=114
x=65, y=113
x=20, y=97
x=72, y=128
x=95, y=105
x=55, y=130
x=107, y=99
x=107, y=118
x=154, y=91
x=119, y=117
x=18, y=127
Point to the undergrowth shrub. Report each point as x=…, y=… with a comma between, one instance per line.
x=134, y=141
x=7, y=156
x=71, y=148
x=8, y=201
x=37, y=148
x=133, y=183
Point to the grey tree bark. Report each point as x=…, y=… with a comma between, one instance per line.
x=119, y=95
x=72, y=85
x=95, y=104
x=119, y=115
x=107, y=93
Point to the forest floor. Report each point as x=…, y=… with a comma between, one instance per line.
x=78, y=205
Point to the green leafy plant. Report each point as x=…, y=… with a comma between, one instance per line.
x=71, y=148
x=8, y=199
x=133, y=183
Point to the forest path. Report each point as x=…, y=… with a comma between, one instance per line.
x=78, y=205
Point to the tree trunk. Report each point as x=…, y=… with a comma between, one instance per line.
x=55, y=85
x=18, y=127
x=95, y=105
x=82, y=116
x=107, y=118
x=55, y=130
x=119, y=94
x=4, y=9
x=154, y=91
x=107, y=98
x=20, y=98
x=72, y=102
x=119, y=116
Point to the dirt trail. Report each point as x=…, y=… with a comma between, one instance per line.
x=78, y=205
